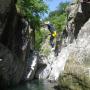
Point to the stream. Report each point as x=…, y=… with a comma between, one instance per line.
x=35, y=85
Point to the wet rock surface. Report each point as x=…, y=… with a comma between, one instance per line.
x=14, y=43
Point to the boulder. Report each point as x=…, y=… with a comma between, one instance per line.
x=76, y=75
x=14, y=43
x=31, y=67
x=11, y=68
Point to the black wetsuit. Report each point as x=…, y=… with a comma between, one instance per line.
x=51, y=28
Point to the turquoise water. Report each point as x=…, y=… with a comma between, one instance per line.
x=35, y=85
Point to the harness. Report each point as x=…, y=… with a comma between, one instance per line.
x=52, y=30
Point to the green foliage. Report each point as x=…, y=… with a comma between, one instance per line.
x=58, y=17
x=45, y=50
x=38, y=40
x=62, y=7
x=40, y=37
x=69, y=81
x=43, y=42
x=59, y=22
x=32, y=9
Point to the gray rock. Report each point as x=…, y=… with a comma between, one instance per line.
x=11, y=69
x=31, y=67
x=76, y=73
x=14, y=43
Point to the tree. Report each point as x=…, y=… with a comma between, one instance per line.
x=62, y=7
x=59, y=16
x=32, y=9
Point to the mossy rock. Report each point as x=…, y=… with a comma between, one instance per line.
x=75, y=76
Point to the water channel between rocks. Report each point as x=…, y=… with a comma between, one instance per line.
x=35, y=85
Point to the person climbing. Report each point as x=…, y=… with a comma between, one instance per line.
x=53, y=34
x=58, y=44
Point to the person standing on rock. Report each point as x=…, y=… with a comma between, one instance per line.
x=53, y=34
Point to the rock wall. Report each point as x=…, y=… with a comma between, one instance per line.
x=14, y=43
x=76, y=74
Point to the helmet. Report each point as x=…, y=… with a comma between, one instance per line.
x=47, y=22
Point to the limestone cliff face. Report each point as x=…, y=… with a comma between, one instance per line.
x=14, y=44
x=76, y=74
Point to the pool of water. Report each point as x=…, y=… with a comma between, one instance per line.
x=35, y=85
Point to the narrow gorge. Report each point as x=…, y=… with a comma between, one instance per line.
x=19, y=62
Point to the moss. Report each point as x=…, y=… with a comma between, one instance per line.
x=75, y=76
x=40, y=38
x=73, y=82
